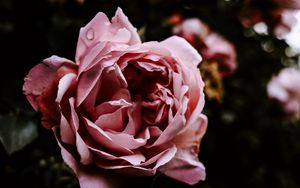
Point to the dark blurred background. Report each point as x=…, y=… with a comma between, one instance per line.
x=248, y=143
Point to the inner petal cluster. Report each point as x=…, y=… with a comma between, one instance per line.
x=134, y=103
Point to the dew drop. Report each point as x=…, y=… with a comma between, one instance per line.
x=90, y=34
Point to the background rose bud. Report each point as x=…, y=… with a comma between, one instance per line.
x=124, y=106
x=285, y=89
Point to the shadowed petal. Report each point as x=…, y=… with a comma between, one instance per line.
x=64, y=84
x=184, y=167
x=104, y=140
x=175, y=126
x=85, y=154
x=88, y=178
x=45, y=73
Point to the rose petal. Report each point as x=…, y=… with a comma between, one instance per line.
x=154, y=47
x=135, y=159
x=129, y=170
x=152, y=57
x=184, y=167
x=87, y=178
x=122, y=94
x=44, y=73
x=141, y=170
x=64, y=84
x=121, y=19
x=151, y=67
x=67, y=134
x=134, y=119
x=177, y=124
x=162, y=158
x=112, y=80
x=154, y=131
x=109, y=107
x=88, y=81
x=93, y=56
x=100, y=29
x=96, y=178
x=197, y=112
x=104, y=140
x=66, y=155
x=192, y=134
x=195, y=85
x=177, y=84
x=91, y=34
x=104, y=52
x=83, y=151
x=128, y=141
x=113, y=121
x=182, y=51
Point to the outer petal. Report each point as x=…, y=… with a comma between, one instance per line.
x=182, y=51
x=97, y=178
x=185, y=166
x=41, y=77
x=188, y=59
x=99, y=29
x=88, y=178
x=192, y=78
x=41, y=86
x=122, y=19
x=193, y=134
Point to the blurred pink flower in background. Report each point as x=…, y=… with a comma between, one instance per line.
x=212, y=46
x=193, y=30
x=277, y=14
x=217, y=49
x=123, y=106
x=219, y=55
x=285, y=89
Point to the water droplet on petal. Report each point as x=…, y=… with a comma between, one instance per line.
x=90, y=34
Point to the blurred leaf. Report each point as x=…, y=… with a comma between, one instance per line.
x=16, y=132
x=142, y=32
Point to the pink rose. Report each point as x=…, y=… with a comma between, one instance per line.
x=212, y=46
x=288, y=20
x=285, y=89
x=193, y=30
x=124, y=107
x=220, y=50
x=277, y=14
